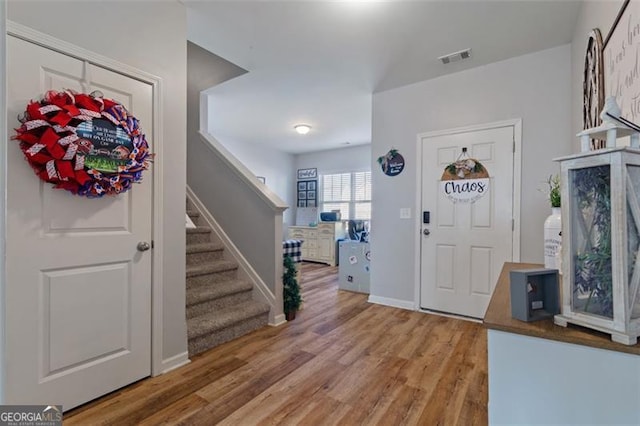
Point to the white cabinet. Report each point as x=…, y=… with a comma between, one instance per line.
x=319, y=241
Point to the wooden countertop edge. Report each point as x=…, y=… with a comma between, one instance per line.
x=599, y=344
x=498, y=317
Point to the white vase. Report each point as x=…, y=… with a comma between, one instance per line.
x=552, y=239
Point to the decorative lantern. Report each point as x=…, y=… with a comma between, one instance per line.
x=601, y=235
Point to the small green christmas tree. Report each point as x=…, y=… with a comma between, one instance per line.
x=290, y=288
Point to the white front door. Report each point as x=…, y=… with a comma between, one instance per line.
x=78, y=293
x=467, y=243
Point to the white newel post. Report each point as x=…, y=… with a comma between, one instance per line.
x=552, y=238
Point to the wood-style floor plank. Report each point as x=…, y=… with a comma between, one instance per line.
x=341, y=361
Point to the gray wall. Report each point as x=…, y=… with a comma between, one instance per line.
x=277, y=167
x=241, y=213
x=593, y=14
x=204, y=70
x=152, y=40
x=534, y=87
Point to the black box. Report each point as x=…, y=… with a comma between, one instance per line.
x=535, y=294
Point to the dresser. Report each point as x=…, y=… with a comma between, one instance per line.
x=319, y=241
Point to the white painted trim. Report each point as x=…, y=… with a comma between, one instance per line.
x=270, y=198
x=278, y=320
x=45, y=40
x=3, y=189
x=471, y=128
x=517, y=187
x=516, y=124
x=417, y=241
x=394, y=303
x=448, y=315
x=33, y=36
x=175, y=361
x=261, y=291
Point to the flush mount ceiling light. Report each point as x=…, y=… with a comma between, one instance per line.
x=303, y=129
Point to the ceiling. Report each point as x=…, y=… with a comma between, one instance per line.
x=318, y=63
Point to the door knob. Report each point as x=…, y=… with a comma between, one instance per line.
x=143, y=246
x=426, y=231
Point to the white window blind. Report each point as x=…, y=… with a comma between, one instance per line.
x=348, y=192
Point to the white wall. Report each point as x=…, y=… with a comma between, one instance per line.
x=353, y=158
x=593, y=14
x=152, y=40
x=349, y=159
x=536, y=381
x=534, y=87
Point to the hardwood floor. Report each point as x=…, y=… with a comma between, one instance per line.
x=341, y=361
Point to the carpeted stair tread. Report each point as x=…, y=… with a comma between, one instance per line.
x=203, y=293
x=204, y=247
x=193, y=213
x=199, y=230
x=223, y=318
x=211, y=268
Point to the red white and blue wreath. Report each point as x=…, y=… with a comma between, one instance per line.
x=84, y=143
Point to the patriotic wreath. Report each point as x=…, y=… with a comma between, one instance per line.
x=84, y=143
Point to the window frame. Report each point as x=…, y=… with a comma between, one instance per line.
x=352, y=202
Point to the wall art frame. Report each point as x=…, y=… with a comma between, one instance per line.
x=620, y=51
x=307, y=193
x=310, y=173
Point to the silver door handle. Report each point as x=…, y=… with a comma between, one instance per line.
x=425, y=231
x=143, y=246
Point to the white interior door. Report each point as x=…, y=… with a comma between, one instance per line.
x=467, y=243
x=78, y=292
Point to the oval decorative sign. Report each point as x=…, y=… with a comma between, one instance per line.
x=392, y=163
x=465, y=181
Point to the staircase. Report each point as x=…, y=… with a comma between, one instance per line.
x=220, y=307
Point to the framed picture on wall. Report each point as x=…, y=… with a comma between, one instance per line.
x=307, y=193
x=620, y=55
x=307, y=173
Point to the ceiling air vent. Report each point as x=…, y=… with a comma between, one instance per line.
x=456, y=56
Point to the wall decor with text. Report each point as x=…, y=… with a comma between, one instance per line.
x=307, y=173
x=465, y=180
x=622, y=60
x=392, y=163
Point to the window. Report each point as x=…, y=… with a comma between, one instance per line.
x=348, y=192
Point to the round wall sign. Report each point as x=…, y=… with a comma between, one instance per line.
x=392, y=163
x=465, y=181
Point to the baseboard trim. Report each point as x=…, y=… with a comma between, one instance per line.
x=278, y=320
x=395, y=303
x=449, y=315
x=175, y=361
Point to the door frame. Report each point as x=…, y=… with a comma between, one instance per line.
x=516, y=187
x=33, y=36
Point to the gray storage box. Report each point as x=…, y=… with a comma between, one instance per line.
x=535, y=294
